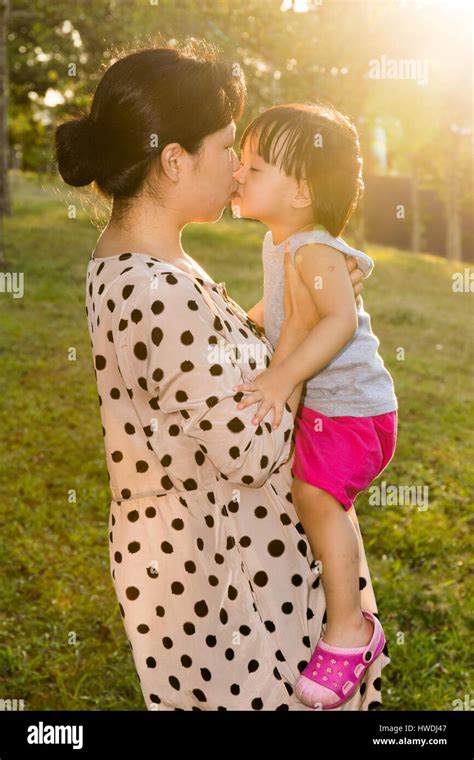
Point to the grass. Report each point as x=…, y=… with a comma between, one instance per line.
x=62, y=642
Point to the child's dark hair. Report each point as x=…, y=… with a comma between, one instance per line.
x=164, y=93
x=314, y=141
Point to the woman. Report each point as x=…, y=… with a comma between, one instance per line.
x=219, y=592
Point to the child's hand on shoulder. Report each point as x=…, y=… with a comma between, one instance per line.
x=270, y=389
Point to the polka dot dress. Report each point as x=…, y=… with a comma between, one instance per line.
x=219, y=593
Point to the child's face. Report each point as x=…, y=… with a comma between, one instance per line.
x=264, y=192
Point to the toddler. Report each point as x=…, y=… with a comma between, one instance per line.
x=301, y=175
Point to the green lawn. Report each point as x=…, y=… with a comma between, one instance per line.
x=54, y=552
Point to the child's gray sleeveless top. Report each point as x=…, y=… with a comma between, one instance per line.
x=355, y=383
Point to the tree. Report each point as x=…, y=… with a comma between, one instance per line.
x=4, y=194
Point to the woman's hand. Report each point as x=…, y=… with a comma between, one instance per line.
x=356, y=275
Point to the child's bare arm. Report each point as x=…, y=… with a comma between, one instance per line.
x=324, y=272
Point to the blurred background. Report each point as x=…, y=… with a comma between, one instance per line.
x=403, y=71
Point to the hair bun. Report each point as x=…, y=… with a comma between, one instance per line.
x=75, y=151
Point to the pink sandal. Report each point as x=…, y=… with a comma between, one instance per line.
x=337, y=672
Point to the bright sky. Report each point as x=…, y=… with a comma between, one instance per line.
x=300, y=6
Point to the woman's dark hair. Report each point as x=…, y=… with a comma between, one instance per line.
x=144, y=101
x=314, y=141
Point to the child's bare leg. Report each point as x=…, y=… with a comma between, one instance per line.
x=333, y=539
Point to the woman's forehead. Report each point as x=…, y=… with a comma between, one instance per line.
x=229, y=130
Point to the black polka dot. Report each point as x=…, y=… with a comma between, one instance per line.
x=140, y=350
x=157, y=335
x=235, y=425
x=157, y=307
x=201, y=609
x=276, y=548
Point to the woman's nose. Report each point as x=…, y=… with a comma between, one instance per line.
x=235, y=162
x=238, y=174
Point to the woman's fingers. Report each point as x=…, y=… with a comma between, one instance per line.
x=351, y=263
x=356, y=275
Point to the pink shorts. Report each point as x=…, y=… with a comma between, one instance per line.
x=342, y=455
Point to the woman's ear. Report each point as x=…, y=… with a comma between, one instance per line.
x=171, y=159
x=302, y=197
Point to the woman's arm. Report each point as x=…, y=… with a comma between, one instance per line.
x=177, y=356
x=256, y=313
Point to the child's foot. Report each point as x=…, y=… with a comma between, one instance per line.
x=334, y=672
x=356, y=634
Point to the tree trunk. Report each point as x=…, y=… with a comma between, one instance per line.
x=415, y=205
x=4, y=194
x=453, y=216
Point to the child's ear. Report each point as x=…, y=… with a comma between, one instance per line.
x=302, y=197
